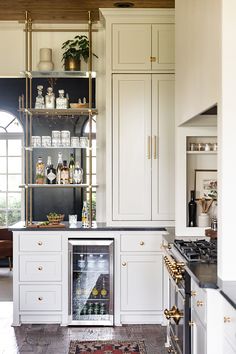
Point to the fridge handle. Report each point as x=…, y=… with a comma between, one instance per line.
x=70, y=272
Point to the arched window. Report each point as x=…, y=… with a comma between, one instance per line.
x=11, y=169
x=94, y=177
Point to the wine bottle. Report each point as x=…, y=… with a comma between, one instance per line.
x=51, y=175
x=192, y=211
x=65, y=173
x=59, y=167
x=71, y=168
x=85, y=215
x=103, y=290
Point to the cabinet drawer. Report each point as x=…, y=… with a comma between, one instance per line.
x=199, y=301
x=229, y=323
x=42, y=267
x=40, y=297
x=38, y=242
x=141, y=243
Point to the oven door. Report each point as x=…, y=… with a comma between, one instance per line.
x=176, y=317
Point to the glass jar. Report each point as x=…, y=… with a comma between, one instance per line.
x=56, y=138
x=75, y=141
x=35, y=141
x=83, y=142
x=46, y=141
x=65, y=138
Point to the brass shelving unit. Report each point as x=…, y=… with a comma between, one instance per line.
x=27, y=111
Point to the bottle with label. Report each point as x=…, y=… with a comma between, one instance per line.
x=50, y=99
x=71, y=168
x=39, y=102
x=49, y=163
x=51, y=175
x=59, y=167
x=78, y=174
x=61, y=101
x=65, y=173
x=103, y=289
x=40, y=171
x=192, y=211
x=85, y=215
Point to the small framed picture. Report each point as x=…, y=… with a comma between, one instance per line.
x=206, y=184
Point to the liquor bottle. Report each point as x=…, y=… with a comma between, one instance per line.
x=51, y=175
x=49, y=163
x=103, y=289
x=61, y=101
x=85, y=215
x=50, y=99
x=78, y=174
x=40, y=171
x=192, y=211
x=65, y=173
x=71, y=168
x=39, y=102
x=59, y=167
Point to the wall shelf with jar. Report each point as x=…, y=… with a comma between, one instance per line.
x=38, y=173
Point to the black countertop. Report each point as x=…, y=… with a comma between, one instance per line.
x=204, y=274
x=97, y=227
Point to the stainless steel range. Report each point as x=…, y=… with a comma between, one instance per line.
x=177, y=258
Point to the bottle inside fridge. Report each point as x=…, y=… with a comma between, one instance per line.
x=91, y=264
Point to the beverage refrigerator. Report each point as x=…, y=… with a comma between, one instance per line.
x=91, y=282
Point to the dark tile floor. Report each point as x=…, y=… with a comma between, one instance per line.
x=53, y=339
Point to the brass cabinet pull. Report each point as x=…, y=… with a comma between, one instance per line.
x=124, y=264
x=191, y=323
x=155, y=147
x=141, y=243
x=40, y=298
x=199, y=303
x=193, y=293
x=40, y=268
x=149, y=147
x=40, y=243
x=227, y=319
x=153, y=59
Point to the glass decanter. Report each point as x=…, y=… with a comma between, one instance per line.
x=61, y=101
x=50, y=99
x=39, y=102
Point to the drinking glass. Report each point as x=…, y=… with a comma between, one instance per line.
x=72, y=220
x=56, y=138
x=46, y=141
x=83, y=142
x=35, y=141
x=75, y=141
x=65, y=138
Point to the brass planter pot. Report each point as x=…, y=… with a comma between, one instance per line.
x=72, y=64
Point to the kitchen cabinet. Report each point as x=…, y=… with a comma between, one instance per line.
x=143, y=47
x=198, y=337
x=228, y=321
x=143, y=147
x=141, y=278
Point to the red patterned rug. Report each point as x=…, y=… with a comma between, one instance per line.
x=108, y=347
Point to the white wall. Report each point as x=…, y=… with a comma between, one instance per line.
x=227, y=145
x=12, y=46
x=197, y=56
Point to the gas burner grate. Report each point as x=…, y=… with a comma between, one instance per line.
x=198, y=251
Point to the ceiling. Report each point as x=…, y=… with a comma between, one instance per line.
x=66, y=10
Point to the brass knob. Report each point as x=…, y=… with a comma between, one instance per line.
x=193, y=293
x=199, y=303
x=191, y=323
x=40, y=243
x=178, y=277
x=40, y=268
x=227, y=319
x=141, y=243
x=40, y=298
x=174, y=313
x=124, y=264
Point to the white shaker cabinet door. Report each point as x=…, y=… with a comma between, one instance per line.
x=131, y=46
x=141, y=282
x=198, y=336
x=163, y=140
x=131, y=147
x=163, y=47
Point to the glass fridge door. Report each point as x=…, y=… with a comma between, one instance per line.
x=91, y=282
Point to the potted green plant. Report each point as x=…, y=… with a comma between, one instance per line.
x=74, y=49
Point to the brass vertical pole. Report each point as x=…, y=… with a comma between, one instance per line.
x=30, y=122
x=90, y=119
x=26, y=122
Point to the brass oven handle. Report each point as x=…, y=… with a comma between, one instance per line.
x=154, y=147
x=174, y=313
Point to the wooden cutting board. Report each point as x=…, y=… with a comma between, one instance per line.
x=49, y=226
